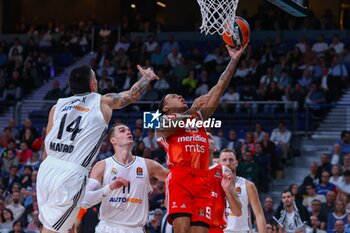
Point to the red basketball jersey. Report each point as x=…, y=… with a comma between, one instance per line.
x=187, y=147
x=218, y=197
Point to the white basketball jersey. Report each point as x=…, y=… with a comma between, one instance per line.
x=126, y=206
x=78, y=129
x=239, y=223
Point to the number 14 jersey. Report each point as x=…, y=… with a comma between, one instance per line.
x=78, y=129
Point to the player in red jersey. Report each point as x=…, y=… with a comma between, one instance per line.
x=187, y=185
x=222, y=182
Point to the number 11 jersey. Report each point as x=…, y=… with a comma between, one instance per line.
x=78, y=129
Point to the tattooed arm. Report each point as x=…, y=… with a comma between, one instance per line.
x=122, y=99
x=216, y=92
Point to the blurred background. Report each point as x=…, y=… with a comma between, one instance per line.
x=286, y=111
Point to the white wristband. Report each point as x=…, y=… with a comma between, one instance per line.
x=106, y=189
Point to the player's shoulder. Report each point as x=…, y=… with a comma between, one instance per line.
x=100, y=165
x=250, y=185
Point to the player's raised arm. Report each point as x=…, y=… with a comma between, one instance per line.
x=228, y=185
x=254, y=201
x=217, y=91
x=122, y=99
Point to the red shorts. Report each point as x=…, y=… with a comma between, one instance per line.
x=188, y=191
x=215, y=230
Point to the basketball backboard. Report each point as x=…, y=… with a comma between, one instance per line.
x=298, y=8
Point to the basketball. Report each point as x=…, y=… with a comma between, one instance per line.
x=240, y=35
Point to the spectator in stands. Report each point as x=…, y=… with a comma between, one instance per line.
x=298, y=198
x=189, y=84
x=35, y=161
x=55, y=93
x=328, y=206
x=298, y=94
x=325, y=165
x=107, y=65
x=122, y=44
x=6, y=137
x=102, y=83
x=28, y=125
x=34, y=224
x=316, y=211
x=287, y=208
x=306, y=79
x=15, y=58
x=11, y=178
x=13, y=89
x=268, y=78
x=161, y=85
x=337, y=77
x=272, y=94
x=281, y=137
x=26, y=178
x=28, y=137
x=324, y=186
x=9, y=159
x=17, y=227
x=234, y=144
x=203, y=87
x=248, y=168
x=15, y=206
x=259, y=133
x=3, y=57
x=312, y=195
x=284, y=80
x=103, y=54
x=336, y=177
x=25, y=154
x=346, y=162
x=315, y=225
x=336, y=44
x=336, y=156
x=320, y=46
x=104, y=152
x=151, y=141
x=38, y=143
x=174, y=57
x=339, y=214
x=169, y=45
x=263, y=160
x=8, y=220
x=344, y=186
x=121, y=60
x=339, y=227
x=302, y=44
x=248, y=94
x=315, y=98
x=269, y=212
x=151, y=44
x=345, y=143
x=312, y=178
x=157, y=58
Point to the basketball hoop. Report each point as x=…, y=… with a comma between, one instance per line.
x=218, y=16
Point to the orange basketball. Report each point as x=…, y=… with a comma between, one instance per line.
x=240, y=35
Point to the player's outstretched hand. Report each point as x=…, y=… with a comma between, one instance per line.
x=235, y=53
x=119, y=182
x=147, y=73
x=228, y=181
x=199, y=102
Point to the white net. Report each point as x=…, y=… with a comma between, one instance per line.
x=218, y=16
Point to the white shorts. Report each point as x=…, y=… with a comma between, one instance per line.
x=107, y=227
x=60, y=189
